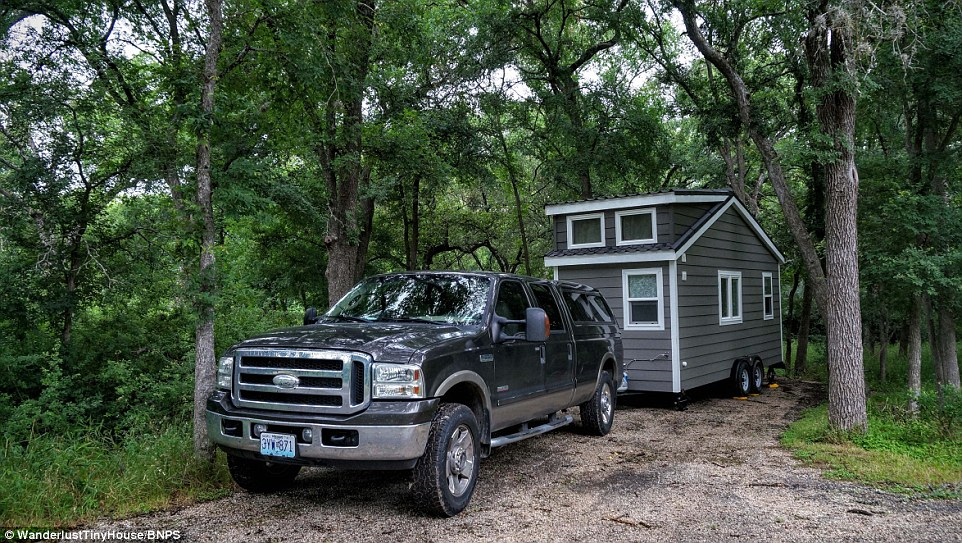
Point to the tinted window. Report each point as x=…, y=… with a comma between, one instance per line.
x=544, y=299
x=586, y=307
x=511, y=304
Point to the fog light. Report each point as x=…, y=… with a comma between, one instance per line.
x=259, y=429
x=308, y=435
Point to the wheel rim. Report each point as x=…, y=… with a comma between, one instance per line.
x=459, y=468
x=606, y=405
x=746, y=380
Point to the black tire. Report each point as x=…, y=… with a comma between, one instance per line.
x=741, y=378
x=598, y=413
x=757, y=377
x=445, y=476
x=261, y=476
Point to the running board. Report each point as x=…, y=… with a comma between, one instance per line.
x=531, y=432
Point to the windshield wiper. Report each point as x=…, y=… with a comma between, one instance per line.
x=347, y=318
x=413, y=319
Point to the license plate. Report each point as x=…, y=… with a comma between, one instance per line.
x=278, y=445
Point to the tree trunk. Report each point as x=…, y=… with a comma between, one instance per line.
x=950, y=352
x=206, y=358
x=829, y=49
x=883, y=353
x=415, y=223
x=348, y=231
x=804, y=328
x=796, y=276
x=935, y=343
x=915, y=352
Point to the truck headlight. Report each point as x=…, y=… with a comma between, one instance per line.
x=397, y=382
x=225, y=372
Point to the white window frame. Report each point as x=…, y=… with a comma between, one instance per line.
x=654, y=227
x=730, y=319
x=767, y=278
x=571, y=232
x=659, y=279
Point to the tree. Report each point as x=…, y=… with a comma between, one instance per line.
x=829, y=50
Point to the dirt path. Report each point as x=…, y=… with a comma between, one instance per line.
x=711, y=473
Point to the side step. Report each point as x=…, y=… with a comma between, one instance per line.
x=552, y=424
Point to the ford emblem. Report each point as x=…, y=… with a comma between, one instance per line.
x=284, y=380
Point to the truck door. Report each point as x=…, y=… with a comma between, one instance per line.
x=518, y=372
x=559, y=363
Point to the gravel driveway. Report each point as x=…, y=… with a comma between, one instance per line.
x=712, y=473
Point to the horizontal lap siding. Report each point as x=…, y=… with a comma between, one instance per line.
x=650, y=349
x=708, y=348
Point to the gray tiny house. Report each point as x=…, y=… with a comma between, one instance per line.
x=691, y=277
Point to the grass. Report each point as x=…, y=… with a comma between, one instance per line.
x=62, y=481
x=918, y=454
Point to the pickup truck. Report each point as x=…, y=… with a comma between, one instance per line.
x=421, y=371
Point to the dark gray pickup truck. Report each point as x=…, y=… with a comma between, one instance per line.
x=427, y=371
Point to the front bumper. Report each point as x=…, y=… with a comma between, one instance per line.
x=389, y=435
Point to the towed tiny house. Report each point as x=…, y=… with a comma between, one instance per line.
x=692, y=278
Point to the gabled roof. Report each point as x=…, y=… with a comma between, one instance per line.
x=723, y=199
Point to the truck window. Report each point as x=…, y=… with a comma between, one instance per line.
x=545, y=300
x=586, y=306
x=511, y=304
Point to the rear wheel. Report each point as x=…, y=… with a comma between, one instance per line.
x=261, y=476
x=598, y=413
x=742, y=378
x=445, y=476
x=757, y=376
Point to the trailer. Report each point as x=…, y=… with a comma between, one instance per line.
x=692, y=278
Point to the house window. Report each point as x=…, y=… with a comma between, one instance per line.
x=729, y=297
x=635, y=227
x=768, y=296
x=586, y=231
x=643, y=297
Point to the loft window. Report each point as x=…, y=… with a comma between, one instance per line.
x=768, y=296
x=729, y=297
x=643, y=299
x=635, y=227
x=586, y=231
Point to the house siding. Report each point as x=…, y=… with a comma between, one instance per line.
x=651, y=349
x=707, y=348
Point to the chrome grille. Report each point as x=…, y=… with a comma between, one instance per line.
x=334, y=382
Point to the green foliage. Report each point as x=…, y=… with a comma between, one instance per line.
x=81, y=475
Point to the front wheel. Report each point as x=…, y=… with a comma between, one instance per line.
x=598, y=413
x=445, y=476
x=742, y=379
x=260, y=476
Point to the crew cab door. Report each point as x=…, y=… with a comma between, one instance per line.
x=518, y=372
x=558, y=351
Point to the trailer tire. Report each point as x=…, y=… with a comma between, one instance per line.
x=447, y=472
x=757, y=376
x=741, y=378
x=598, y=413
x=260, y=476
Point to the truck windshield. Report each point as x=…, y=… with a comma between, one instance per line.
x=434, y=298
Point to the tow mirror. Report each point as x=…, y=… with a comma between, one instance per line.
x=310, y=316
x=537, y=326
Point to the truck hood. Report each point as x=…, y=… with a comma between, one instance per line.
x=384, y=341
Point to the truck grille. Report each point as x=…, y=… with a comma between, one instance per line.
x=332, y=382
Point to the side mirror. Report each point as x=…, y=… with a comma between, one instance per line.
x=310, y=316
x=537, y=326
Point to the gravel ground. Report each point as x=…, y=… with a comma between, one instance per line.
x=712, y=473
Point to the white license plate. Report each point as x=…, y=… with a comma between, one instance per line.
x=278, y=445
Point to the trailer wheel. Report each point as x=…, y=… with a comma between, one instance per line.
x=598, y=413
x=758, y=376
x=261, y=476
x=742, y=378
x=445, y=476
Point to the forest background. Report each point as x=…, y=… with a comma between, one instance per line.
x=176, y=175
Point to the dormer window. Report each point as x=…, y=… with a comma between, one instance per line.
x=586, y=231
x=635, y=227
